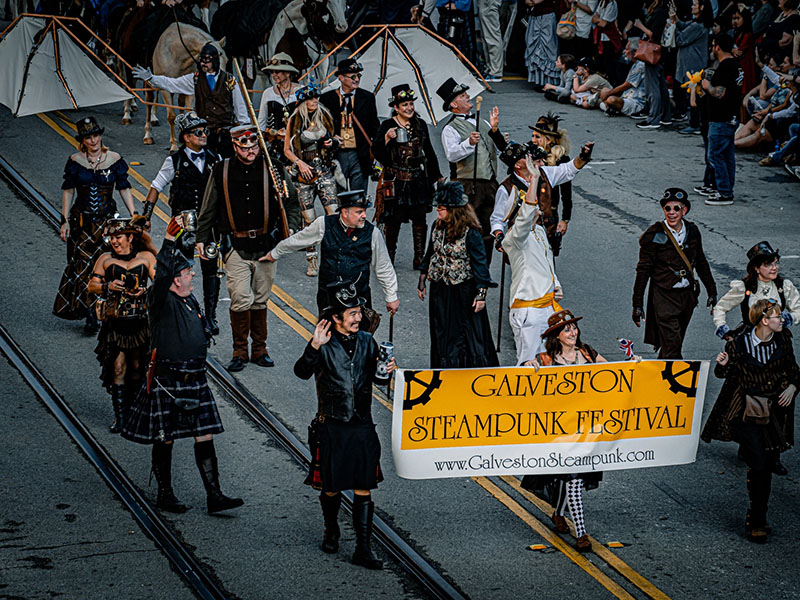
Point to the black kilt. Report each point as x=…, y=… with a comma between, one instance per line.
x=344, y=455
x=154, y=417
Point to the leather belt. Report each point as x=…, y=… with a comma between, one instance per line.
x=181, y=376
x=250, y=233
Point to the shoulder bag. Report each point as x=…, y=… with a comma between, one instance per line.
x=648, y=52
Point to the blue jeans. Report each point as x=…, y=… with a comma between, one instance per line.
x=789, y=146
x=721, y=157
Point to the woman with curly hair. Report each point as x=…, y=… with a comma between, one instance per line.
x=456, y=266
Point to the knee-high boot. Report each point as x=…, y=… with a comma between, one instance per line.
x=118, y=402
x=240, y=330
x=206, y=458
x=210, y=299
x=330, y=513
x=258, y=338
x=391, y=231
x=363, y=511
x=759, y=483
x=420, y=237
x=162, y=469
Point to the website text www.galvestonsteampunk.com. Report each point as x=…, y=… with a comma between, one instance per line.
x=554, y=460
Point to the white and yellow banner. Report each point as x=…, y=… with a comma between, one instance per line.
x=571, y=419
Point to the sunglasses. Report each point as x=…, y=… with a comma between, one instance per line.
x=673, y=208
x=205, y=58
x=353, y=76
x=202, y=132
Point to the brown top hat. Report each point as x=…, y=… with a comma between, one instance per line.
x=559, y=320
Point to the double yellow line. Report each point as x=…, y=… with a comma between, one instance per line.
x=650, y=590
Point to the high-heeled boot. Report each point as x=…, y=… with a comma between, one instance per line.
x=330, y=513
x=206, y=458
x=420, y=233
x=162, y=469
x=118, y=402
x=363, y=512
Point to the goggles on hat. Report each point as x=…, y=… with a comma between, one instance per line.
x=246, y=140
x=670, y=195
x=406, y=95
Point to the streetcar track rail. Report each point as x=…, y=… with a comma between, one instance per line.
x=393, y=544
x=181, y=558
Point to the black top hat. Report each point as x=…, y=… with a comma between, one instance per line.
x=348, y=65
x=402, y=93
x=187, y=121
x=762, y=251
x=536, y=151
x=676, y=194
x=449, y=90
x=87, y=127
x=343, y=295
x=558, y=321
x=547, y=125
x=354, y=199
x=450, y=194
x=512, y=154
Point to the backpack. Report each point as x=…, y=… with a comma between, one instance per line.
x=567, y=27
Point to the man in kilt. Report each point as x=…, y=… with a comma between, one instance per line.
x=175, y=401
x=345, y=450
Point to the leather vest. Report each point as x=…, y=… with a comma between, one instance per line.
x=450, y=260
x=188, y=184
x=408, y=160
x=215, y=106
x=487, y=155
x=345, y=257
x=344, y=384
x=545, y=197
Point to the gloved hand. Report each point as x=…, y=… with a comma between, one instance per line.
x=788, y=319
x=142, y=73
x=722, y=331
x=174, y=230
x=586, y=152
x=421, y=285
x=712, y=302
x=498, y=241
x=638, y=315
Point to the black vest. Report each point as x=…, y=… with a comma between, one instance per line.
x=344, y=384
x=215, y=106
x=345, y=257
x=188, y=184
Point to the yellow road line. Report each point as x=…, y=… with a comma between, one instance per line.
x=553, y=539
x=53, y=125
x=599, y=549
x=294, y=304
x=284, y=316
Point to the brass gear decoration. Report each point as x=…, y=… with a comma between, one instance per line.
x=411, y=377
x=677, y=380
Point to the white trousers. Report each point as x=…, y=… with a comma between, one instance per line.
x=528, y=324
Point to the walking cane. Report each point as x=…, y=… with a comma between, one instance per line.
x=500, y=308
x=478, y=101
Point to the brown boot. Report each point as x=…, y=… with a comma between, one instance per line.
x=240, y=328
x=258, y=336
x=420, y=237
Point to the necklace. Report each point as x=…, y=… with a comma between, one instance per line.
x=96, y=162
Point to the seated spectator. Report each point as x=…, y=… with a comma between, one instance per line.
x=784, y=126
x=763, y=127
x=760, y=96
x=587, y=84
x=561, y=92
x=629, y=97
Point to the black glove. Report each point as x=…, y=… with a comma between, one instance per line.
x=638, y=315
x=498, y=241
x=712, y=301
x=421, y=284
x=586, y=152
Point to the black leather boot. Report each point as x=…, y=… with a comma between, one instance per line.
x=420, y=237
x=206, y=459
x=363, y=510
x=162, y=469
x=330, y=512
x=210, y=299
x=391, y=231
x=118, y=402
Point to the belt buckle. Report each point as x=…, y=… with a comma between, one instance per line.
x=682, y=273
x=251, y=234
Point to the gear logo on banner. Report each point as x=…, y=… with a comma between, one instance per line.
x=677, y=380
x=409, y=401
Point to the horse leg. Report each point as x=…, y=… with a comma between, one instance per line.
x=171, y=114
x=126, y=112
x=148, y=126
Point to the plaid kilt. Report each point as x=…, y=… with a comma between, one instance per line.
x=84, y=246
x=154, y=417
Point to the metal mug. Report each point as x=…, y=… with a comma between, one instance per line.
x=189, y=220
x=402, y=135
x=385, y=356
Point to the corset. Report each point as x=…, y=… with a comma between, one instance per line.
x=407, y=160
x=96, y=198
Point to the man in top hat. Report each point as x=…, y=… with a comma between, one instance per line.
x=355, y=121
x=278, y=101
x=217, y=97
x=669, y=253
x=188, y=170
x=241, y=205
x=466, y=142
x=761, y=282
x=349, y=246
x=345, y=448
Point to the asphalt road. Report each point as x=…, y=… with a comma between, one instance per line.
x=681, y=526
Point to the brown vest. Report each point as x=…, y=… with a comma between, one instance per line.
x=215, y=106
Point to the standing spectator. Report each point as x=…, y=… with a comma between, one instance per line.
x=455, y=25
x=778, y=35
x=562, y=91
x=491, y=38
x=541, y=43
x=725, y=92
x=607, y=39
x=699, y=105
x=763, y=17
x=655, y=83
x=582, y=45
x=744, y=48
x=691, y=39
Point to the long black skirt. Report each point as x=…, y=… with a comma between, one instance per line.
x=460, y=337
x=344, y=455
x=84, y=245
x=547, y=486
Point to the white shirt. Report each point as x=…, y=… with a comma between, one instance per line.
x=583, y=20
x=167, y=171
x=381, y=264
x=270, y=95
x=680, y=237
x=454, y=149
x=765, y=290
x=533, y=274
x=609, y=14
x=185, y=85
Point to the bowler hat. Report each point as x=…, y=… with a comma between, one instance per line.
x=559, y=320
x=348, y=65
x=402, y=93
x=87, y=127
x=354, y=199
x=450, y=194
x=678, y=195
x=761, y=252
x=449, y=90
x=280, y=62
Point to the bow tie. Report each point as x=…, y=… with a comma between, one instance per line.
x=468, y=116
x=196, y=155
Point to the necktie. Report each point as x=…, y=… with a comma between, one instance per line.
x=196, y=156
x=348, y=102
x=211, y=79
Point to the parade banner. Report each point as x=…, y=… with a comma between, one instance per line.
x=565, y=419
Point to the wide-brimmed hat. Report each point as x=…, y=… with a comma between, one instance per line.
x=87, y=127
x=354, y=199
x=280, y=62
x=402, y=93
x=343, y=295
x=450, y=194
x=348, y=65
x=187, y=121
x=678, y=195
x=761, y=252
x=548, y=125
x=558, y=321
x=449, y=90
x=307, y=92
x=244, y=136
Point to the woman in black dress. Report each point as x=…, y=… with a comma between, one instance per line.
x=121, y=277
x=757, y=411
x=456, y=266
x=90, y=177
x=410, y=171
x=563, y=346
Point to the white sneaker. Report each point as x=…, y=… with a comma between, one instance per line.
x=493, y=78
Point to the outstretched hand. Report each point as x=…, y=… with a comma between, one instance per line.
x=322, y=334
